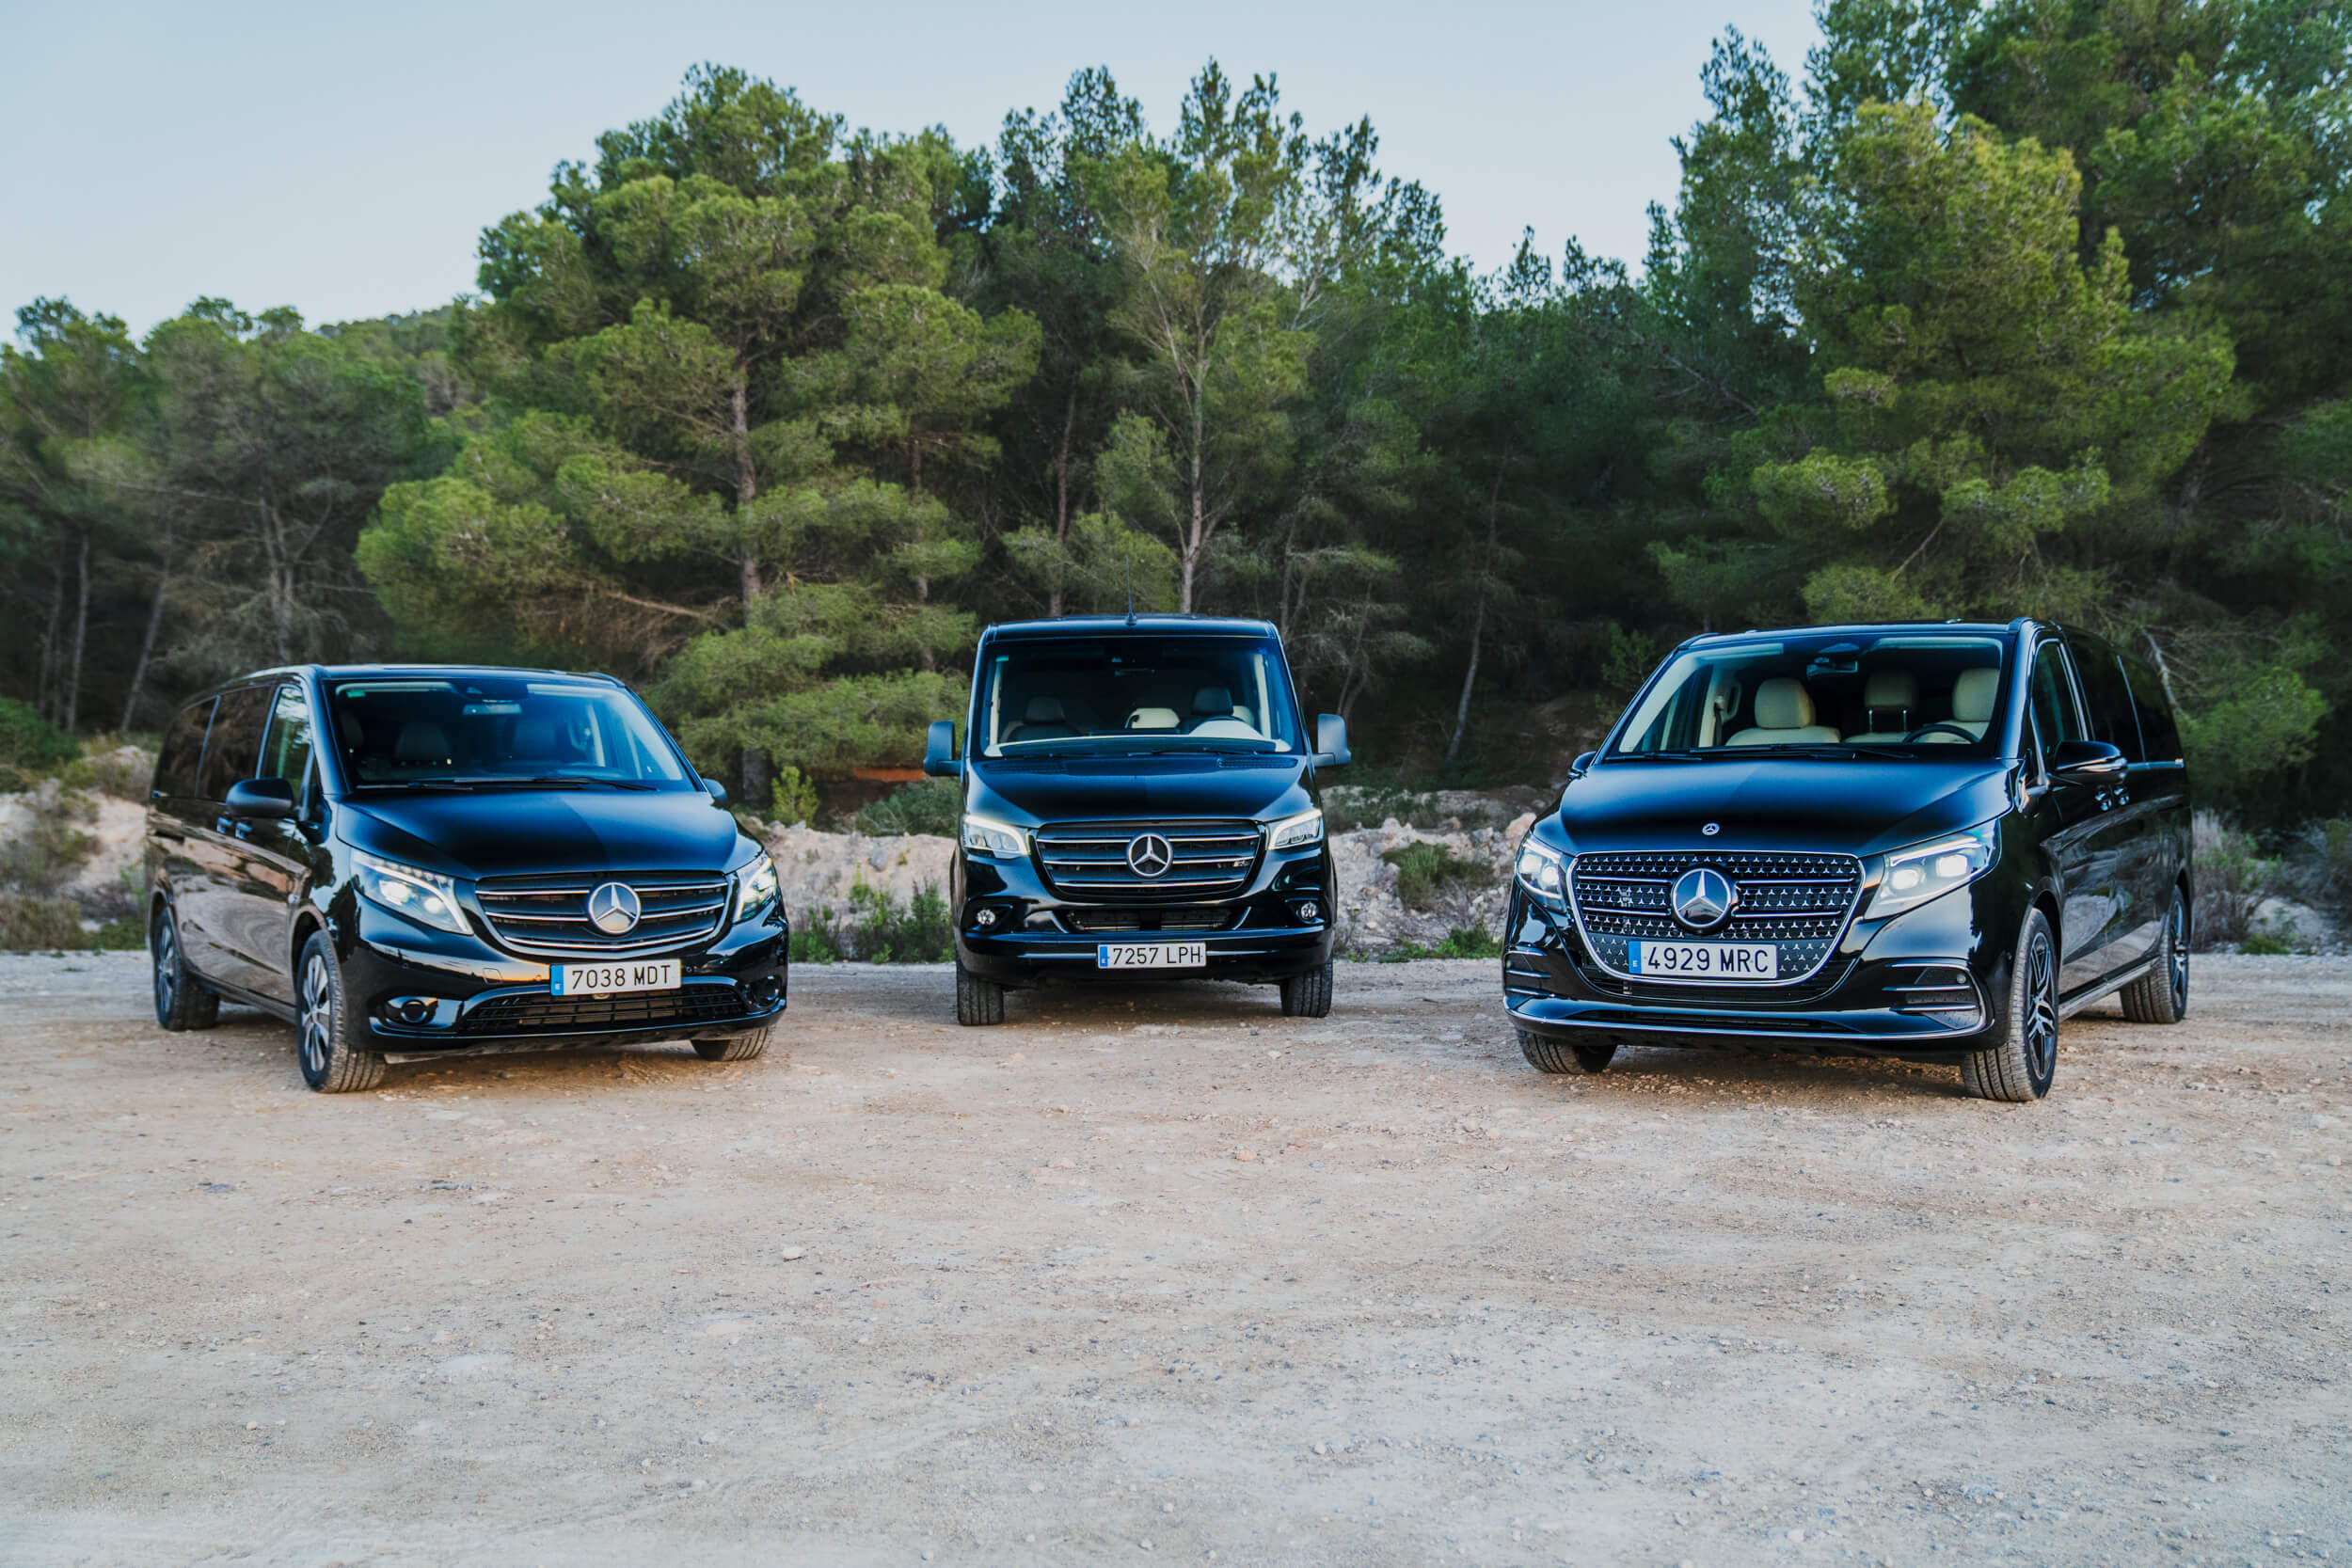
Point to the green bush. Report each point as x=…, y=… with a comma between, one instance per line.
x=928, y=807
x=30, y=921
x=1428, y=872
x=1463, y=941
x=2233, y=877
x=31, y=746
x=43, y=857
x=1350, y=807
x=794, y=797
x=878, y=929
x=2262, y=944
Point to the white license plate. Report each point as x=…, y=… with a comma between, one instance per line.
x=1152, y=955
x=604, y=980
x=1705, y=960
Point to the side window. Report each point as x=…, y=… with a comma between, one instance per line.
x=234, y=750
x=2111, y=716
x=2159, y=735
x=286, y=753
x=182, y=750
x=2051, y=700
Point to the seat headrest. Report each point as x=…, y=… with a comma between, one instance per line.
x=1152, y=719
x=1973, y=693
x=1783, y=703
x=420, y=742
x=1211, y=702
x=1044, y=710
x=1891, y=689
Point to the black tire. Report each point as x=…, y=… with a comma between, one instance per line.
x=181, y=1001
x=748, y=1046
x=329, y=1040
x=1549, y=1055
x=2019, y=1066
x=1308, y=995
x=2161, y=995
x=978, y=1002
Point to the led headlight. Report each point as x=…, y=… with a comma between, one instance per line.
x=1295, y=833
x=755, y=884
x=984, y=837
x=1542, y=871
x=426, y=897
x=1929, y=870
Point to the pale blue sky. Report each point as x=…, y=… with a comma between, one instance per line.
x=343, y=159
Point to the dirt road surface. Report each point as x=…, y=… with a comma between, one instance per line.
x=1161, y=1275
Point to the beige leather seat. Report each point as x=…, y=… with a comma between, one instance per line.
x=1972, y=705
x=1890, y=700
x=1784, y=717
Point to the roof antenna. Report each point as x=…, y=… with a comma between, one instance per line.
x=1131, y=590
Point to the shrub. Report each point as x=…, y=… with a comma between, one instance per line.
x=29, y=921
x=122, y=772
x=794, y=797
x=928, y=807
x=1428, y=872
x=31, y=744
x=878, y=929
x=1463, y=941
x=2233, y=877
x=1350, y=807
x=42, y=857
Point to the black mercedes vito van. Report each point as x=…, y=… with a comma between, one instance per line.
x=1924, y=841
x=402, y=861
x=1138, y=801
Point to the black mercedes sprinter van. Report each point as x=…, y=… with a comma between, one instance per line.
x=1924, y=841
x=405, y=861
x=1138, y=803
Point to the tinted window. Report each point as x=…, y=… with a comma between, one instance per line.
x=1914, y=693
x=1139, y=692
x=2111, y=717
x=496, y=729
x=182, y=750
x=2158, y=734
x=2051, y=696
x=286, y=753
x=233, y=750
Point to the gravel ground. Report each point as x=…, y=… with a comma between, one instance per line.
x=1160, y=1272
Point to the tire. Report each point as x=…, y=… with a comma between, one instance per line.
x=2161, y=995
x=1308, y=995
x=748, y=1046
x=980, y=1003
x=328, y=1037
x=2020, y=1065
x=181, y=1001
x=1549, y=1055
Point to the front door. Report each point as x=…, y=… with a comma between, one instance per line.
x=270, y=859
x=207, y=895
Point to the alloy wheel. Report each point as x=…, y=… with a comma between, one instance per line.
x=166, y=966
x=2041, y=1018
x=318, y=1015
x=2176, y=939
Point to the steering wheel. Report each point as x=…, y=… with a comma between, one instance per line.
x=1926, y=730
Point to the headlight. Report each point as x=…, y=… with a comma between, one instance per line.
x=984, y=837
x=1542, y=871
x=755, y=884
x=1295, y=833
x=1929, y=870
x=426, y=897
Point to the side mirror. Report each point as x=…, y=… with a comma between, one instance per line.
x=1576, y=769
x=2091, y=761
x=262, y=800
x=717, y=790
x=938, y=751
x=1331, y=741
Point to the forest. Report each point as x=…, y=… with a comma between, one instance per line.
x=2041, y=308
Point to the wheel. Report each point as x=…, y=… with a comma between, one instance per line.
x=180, y=1000
x=1550, y=1055
x=978, y=1002
x=2161, y=995
x=748, y=1046
x=1308, y=995
x=2020, y=1065
x=333, y=1060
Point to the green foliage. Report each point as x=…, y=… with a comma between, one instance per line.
x=2233, y=879
x=34, y=922
x=1353, y=806
x=1462, y=941
x=794, y=797
x=877, y=928
x=1428, y=872
x=932, y=806
x=30, y=745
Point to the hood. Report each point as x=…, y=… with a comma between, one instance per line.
x=506, y=832
x=1848, y=807
x=1031, y=790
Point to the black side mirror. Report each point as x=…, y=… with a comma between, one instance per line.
x=1331, y=741
x=938, y=751
x=262, y=800
x=1578, y=769
x=718, y=791
x=2092, y=762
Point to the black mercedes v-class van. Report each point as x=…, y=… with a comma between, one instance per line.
x=1924, y=841
x=1138, y=801
x=402, y=861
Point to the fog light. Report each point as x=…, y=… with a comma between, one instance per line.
x=984, y=918
x=1310, y=910
x=765, y=991
x=412, y=1010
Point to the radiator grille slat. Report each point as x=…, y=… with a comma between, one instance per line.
x=548, y=916
x=539, y=1013
x=1207, y=859
x=1798, y=902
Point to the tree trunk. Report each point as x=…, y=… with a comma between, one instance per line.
x=45, y=687
x=746, y=485
x=1478, y=621
x=147, y=643
x=1061, y=493
x=1197, y=539
x=759, y=779
x=81, y=637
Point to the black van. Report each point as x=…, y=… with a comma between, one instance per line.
x=405, y=861
x=1926, y=841
x=1138, y=801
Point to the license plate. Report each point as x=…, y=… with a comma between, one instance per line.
x=1152, y=955
x=604, y=980
x=1705, y=960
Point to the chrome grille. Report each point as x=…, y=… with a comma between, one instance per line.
x=1210, y=860
x=1145, y=919
x=1798, y=902
x=549, y=914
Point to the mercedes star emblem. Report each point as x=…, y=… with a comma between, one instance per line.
x=1712, y=829
x=613, y=909
x=1703, y=899
x=1149, y=855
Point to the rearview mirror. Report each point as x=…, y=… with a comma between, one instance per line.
x=938, y=751
x=1331, y=741
x=262, y=800
x=2086, y=762
x=718, y=791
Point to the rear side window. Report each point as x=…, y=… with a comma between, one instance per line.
x=2159, y=735
x=183, y=748
x=2110, y=697
x=2051, y=700
x=286, y=753
x=234, y=749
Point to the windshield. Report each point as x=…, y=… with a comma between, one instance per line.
x=1150, y=692
x=1899, y=693
x=496, y=730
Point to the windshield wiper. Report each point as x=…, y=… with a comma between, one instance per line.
x=580, y=779
x=1832, y=751
x=1671, y=753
